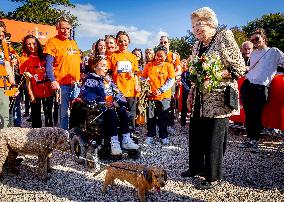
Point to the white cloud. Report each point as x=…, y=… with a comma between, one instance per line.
x=97, y=24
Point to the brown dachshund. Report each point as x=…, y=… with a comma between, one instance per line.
x=144, y=178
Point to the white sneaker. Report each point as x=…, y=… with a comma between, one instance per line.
x=115, y=148
x=129, y=144
x=165, y=141
x=171, y=130
x=149, y=140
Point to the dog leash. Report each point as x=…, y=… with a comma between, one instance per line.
x=107, y=108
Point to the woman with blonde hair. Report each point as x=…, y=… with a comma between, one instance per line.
x=210, y=114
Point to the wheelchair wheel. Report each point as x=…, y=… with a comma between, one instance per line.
x=78, y=145
x=92, y=159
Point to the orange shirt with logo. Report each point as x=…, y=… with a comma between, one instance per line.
x=41, y=86
x=124, y=66
x=67, y=59
x=158, y=75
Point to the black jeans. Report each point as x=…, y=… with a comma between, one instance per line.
x=47, y=104
x=131, y=106
x=157, y=115
x=114, y=118
x=207, y=145
x=254, y=99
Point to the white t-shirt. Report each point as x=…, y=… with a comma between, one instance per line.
x=265, y=68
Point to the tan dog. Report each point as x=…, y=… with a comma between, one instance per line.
x=142, y=177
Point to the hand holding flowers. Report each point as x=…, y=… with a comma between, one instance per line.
x=206, y=72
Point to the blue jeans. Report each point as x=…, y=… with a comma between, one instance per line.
x=17, y=112
x=68, y=94
x=4, y=108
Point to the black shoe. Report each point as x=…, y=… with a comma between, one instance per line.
x=187, y=173
x=208, y=185
x=19, y=161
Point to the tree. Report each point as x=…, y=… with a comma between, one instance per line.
x=239, y=34
x=273, y=25
x=2, y=14
x=183, y=45
x=41, y=11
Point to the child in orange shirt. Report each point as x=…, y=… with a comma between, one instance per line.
x=124, y=67
x=161, y=76
x=39, y=87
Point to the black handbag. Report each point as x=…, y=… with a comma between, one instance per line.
x=231, y=98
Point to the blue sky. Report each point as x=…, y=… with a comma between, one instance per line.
x=147, y=20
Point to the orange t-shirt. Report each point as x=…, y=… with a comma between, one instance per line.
x=66, y=59
x=173, y=59
x=40, y=84
x=123, y=66
x=22, y=60
x=108, y=54
x=158, y=75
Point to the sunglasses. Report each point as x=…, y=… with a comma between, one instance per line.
x=256, y=39
x=163, y=42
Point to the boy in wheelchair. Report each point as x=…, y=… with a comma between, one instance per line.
x=98, y=88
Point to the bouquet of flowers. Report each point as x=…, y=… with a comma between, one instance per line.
x=206, y=72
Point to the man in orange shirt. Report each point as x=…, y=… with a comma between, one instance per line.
x=63, y=67
x=174, y=59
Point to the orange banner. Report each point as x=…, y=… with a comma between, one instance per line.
x=19, y=30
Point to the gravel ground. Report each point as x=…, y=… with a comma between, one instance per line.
x=247, y=176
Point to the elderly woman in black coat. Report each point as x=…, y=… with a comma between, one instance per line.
x=209, y=118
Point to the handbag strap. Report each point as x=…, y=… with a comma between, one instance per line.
x=253, y=66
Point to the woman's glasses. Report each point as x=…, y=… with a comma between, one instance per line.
x=163, y=42
x=256, y=39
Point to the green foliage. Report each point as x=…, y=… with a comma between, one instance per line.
x=274, y=27
x=18, y=47
x=239, y=34
x=41, y=11
x=2, y=14
x=86, y=53
x=183, y=45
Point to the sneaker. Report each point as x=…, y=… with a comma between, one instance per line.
x=208, y=185
x=149, y=140
x=129, y=144
x=245, y=144
x=115, y=148
x=171, y=130
x=254, y=148
x=165, y=141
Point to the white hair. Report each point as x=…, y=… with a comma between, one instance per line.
x=248, y=43
x=207, y=14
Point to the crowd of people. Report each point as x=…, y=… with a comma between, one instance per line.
x=51, y=77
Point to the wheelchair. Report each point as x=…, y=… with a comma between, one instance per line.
x=89, y=145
